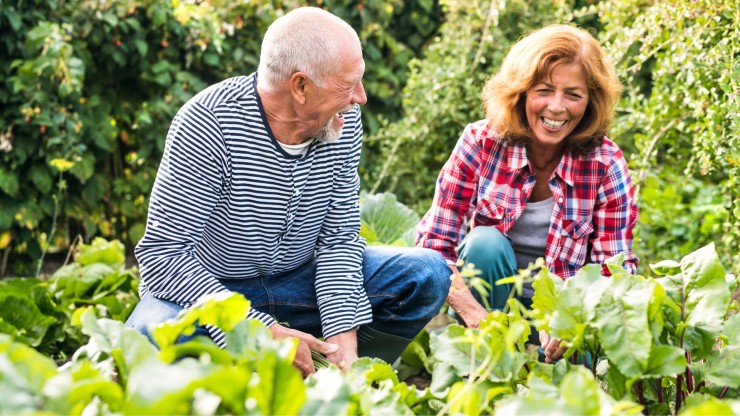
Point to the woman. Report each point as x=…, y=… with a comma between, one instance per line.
x=538, y=177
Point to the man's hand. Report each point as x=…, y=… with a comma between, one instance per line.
x=306, y=344
x=461, y=300
x=346, y=354
x=553, y=350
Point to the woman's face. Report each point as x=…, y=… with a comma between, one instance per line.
x=555, y=105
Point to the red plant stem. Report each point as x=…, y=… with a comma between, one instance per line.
x=689, y=376
x=723, y=392
x=641, y=397
x=660, y=390
x=679, y=396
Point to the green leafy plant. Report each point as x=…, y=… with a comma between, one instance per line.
x=38, y=312
x=386, y=221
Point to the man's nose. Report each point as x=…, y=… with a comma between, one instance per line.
x=358, y=95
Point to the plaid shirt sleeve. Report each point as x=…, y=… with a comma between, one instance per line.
x=615, y=215
x=444, y=223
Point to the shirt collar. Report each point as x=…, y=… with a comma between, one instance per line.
x=516, y=157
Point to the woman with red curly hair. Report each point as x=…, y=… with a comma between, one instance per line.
x=538, y=177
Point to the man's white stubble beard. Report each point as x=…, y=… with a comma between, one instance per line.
x=328, y=134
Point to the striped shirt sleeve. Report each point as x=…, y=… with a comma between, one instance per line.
x=343, y=303
x=188, y=185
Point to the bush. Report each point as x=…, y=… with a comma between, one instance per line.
x=88, y=91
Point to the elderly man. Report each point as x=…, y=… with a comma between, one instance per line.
x=257, y=193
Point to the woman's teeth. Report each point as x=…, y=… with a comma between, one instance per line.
x=553, y=124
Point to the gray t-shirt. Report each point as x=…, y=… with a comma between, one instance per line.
x=529, y=236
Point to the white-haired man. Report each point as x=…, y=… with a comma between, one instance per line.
x=257, y=193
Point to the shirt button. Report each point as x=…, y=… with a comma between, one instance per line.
x=560, y=200
x=295, y=192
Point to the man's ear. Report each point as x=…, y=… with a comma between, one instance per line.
x=299, y=86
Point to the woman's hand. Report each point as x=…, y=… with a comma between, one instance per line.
x=472, y=314
x=461, y=300
x=553, y=350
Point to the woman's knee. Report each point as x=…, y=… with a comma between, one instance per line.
x=486, y=244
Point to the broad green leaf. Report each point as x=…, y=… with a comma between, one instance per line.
x=580, y=391
x=128, y=348
x=111, y=253
x=466, y=399
x=697, y=301
x=9, y=182
x=666, y=267
x=574, y=303
x=615, y=265
x=374, y=370
x=512, y=330
x=159, y=388
x=280, y=390
x=196, y=347
x=416, y=400
x=544, y=302
x=444, y=376
x=28, y=322
x=250, y=336
x=41, y=178
x=665, y=360
x=417, y=353
x=721, y=368
x=703, y=405
x=23, y=373
x=223, y=310
x=386, y=218
x=731, y=330
x=622, y=321
x=326, y=394
x=70, y=391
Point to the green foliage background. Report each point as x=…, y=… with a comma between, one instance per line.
x=97, y=83
x=677, y=121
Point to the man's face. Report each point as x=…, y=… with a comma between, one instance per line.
x=343, y=91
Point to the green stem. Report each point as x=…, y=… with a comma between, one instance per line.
x=49, y=239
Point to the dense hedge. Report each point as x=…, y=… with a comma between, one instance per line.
x=88, y=90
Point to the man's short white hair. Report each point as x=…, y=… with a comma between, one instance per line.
x=306, y=39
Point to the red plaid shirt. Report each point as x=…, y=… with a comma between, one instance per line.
x=489, y=180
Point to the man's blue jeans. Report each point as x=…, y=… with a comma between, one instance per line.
x=406, y=288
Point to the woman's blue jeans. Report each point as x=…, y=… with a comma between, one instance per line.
x=406, y=288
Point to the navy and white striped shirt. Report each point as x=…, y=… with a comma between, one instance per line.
x=230, y=202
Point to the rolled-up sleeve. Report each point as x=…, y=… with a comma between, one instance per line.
x=615, y=215
x=443, y=225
